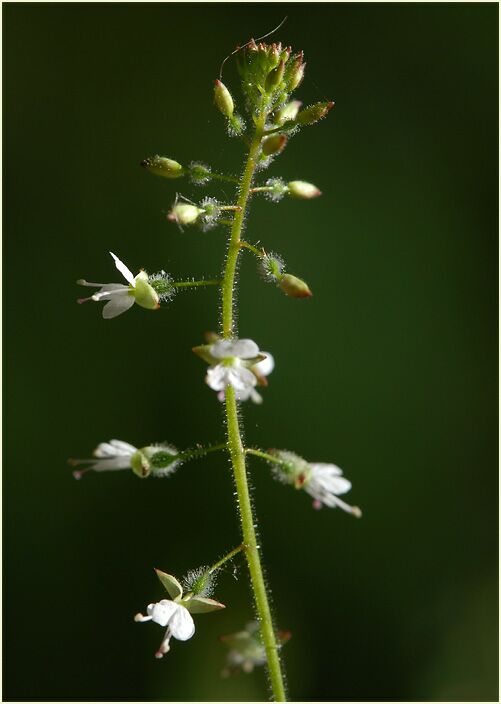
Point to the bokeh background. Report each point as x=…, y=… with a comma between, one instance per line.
x=390, y=370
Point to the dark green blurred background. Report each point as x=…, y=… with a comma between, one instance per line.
x=390, y=370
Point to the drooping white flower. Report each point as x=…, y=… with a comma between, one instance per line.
x=260, y=370
x=237, y=358
x=121, y=297
x=176, y=617
x=324, y=482
x=159, y=460
x=175, y=613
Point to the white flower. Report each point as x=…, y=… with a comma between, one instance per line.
x=325, y=483
x=159, y=460
x=175, y=612
x=121, y=297
x=115, y=454
x=237, y=356
x=261, y=370
x=176, y=617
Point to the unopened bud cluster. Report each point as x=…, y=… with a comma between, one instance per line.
x=270, y=72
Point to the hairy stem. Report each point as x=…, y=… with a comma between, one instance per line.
x=227, y=557
x=204, y=282
x=235, y=446
x=264, y=456
x=258, y=252
x=198, y=452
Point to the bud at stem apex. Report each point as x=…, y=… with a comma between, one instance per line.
x=223, y=99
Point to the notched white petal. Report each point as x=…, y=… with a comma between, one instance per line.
x=181, y=624
x=162, y=612
x=245, y=349
x=123, y=448
x=266, y=366
x=125, y=271
x=118, y=305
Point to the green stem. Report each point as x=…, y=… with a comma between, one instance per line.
x=224, y=559
x=235, y=445
x=197, y=452
x=203, y=282
x=212, y=175
x=261, y=189
x=254, y=250
x=236, y=230
x=222, y=177
x=265, y=456
x=229, y=207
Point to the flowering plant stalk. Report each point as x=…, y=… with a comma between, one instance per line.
x=269, y=73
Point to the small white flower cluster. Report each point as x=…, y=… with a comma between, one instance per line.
x=241, y=365
x=324, y=482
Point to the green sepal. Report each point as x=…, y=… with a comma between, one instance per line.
x=170, y=584
x=203, y=351
x=313, y=113
x=202, y=605
x=140, y=465
x=145, y=295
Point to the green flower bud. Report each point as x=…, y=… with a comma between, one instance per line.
x=292, y=286
x=303, y=190
x=223, y=99
x=162, y=166
x=185, y=213
x=274, y=144
x=288, y=112
x=297, y=72
x=313, y=113
x=275, y=77
x=144, y=293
